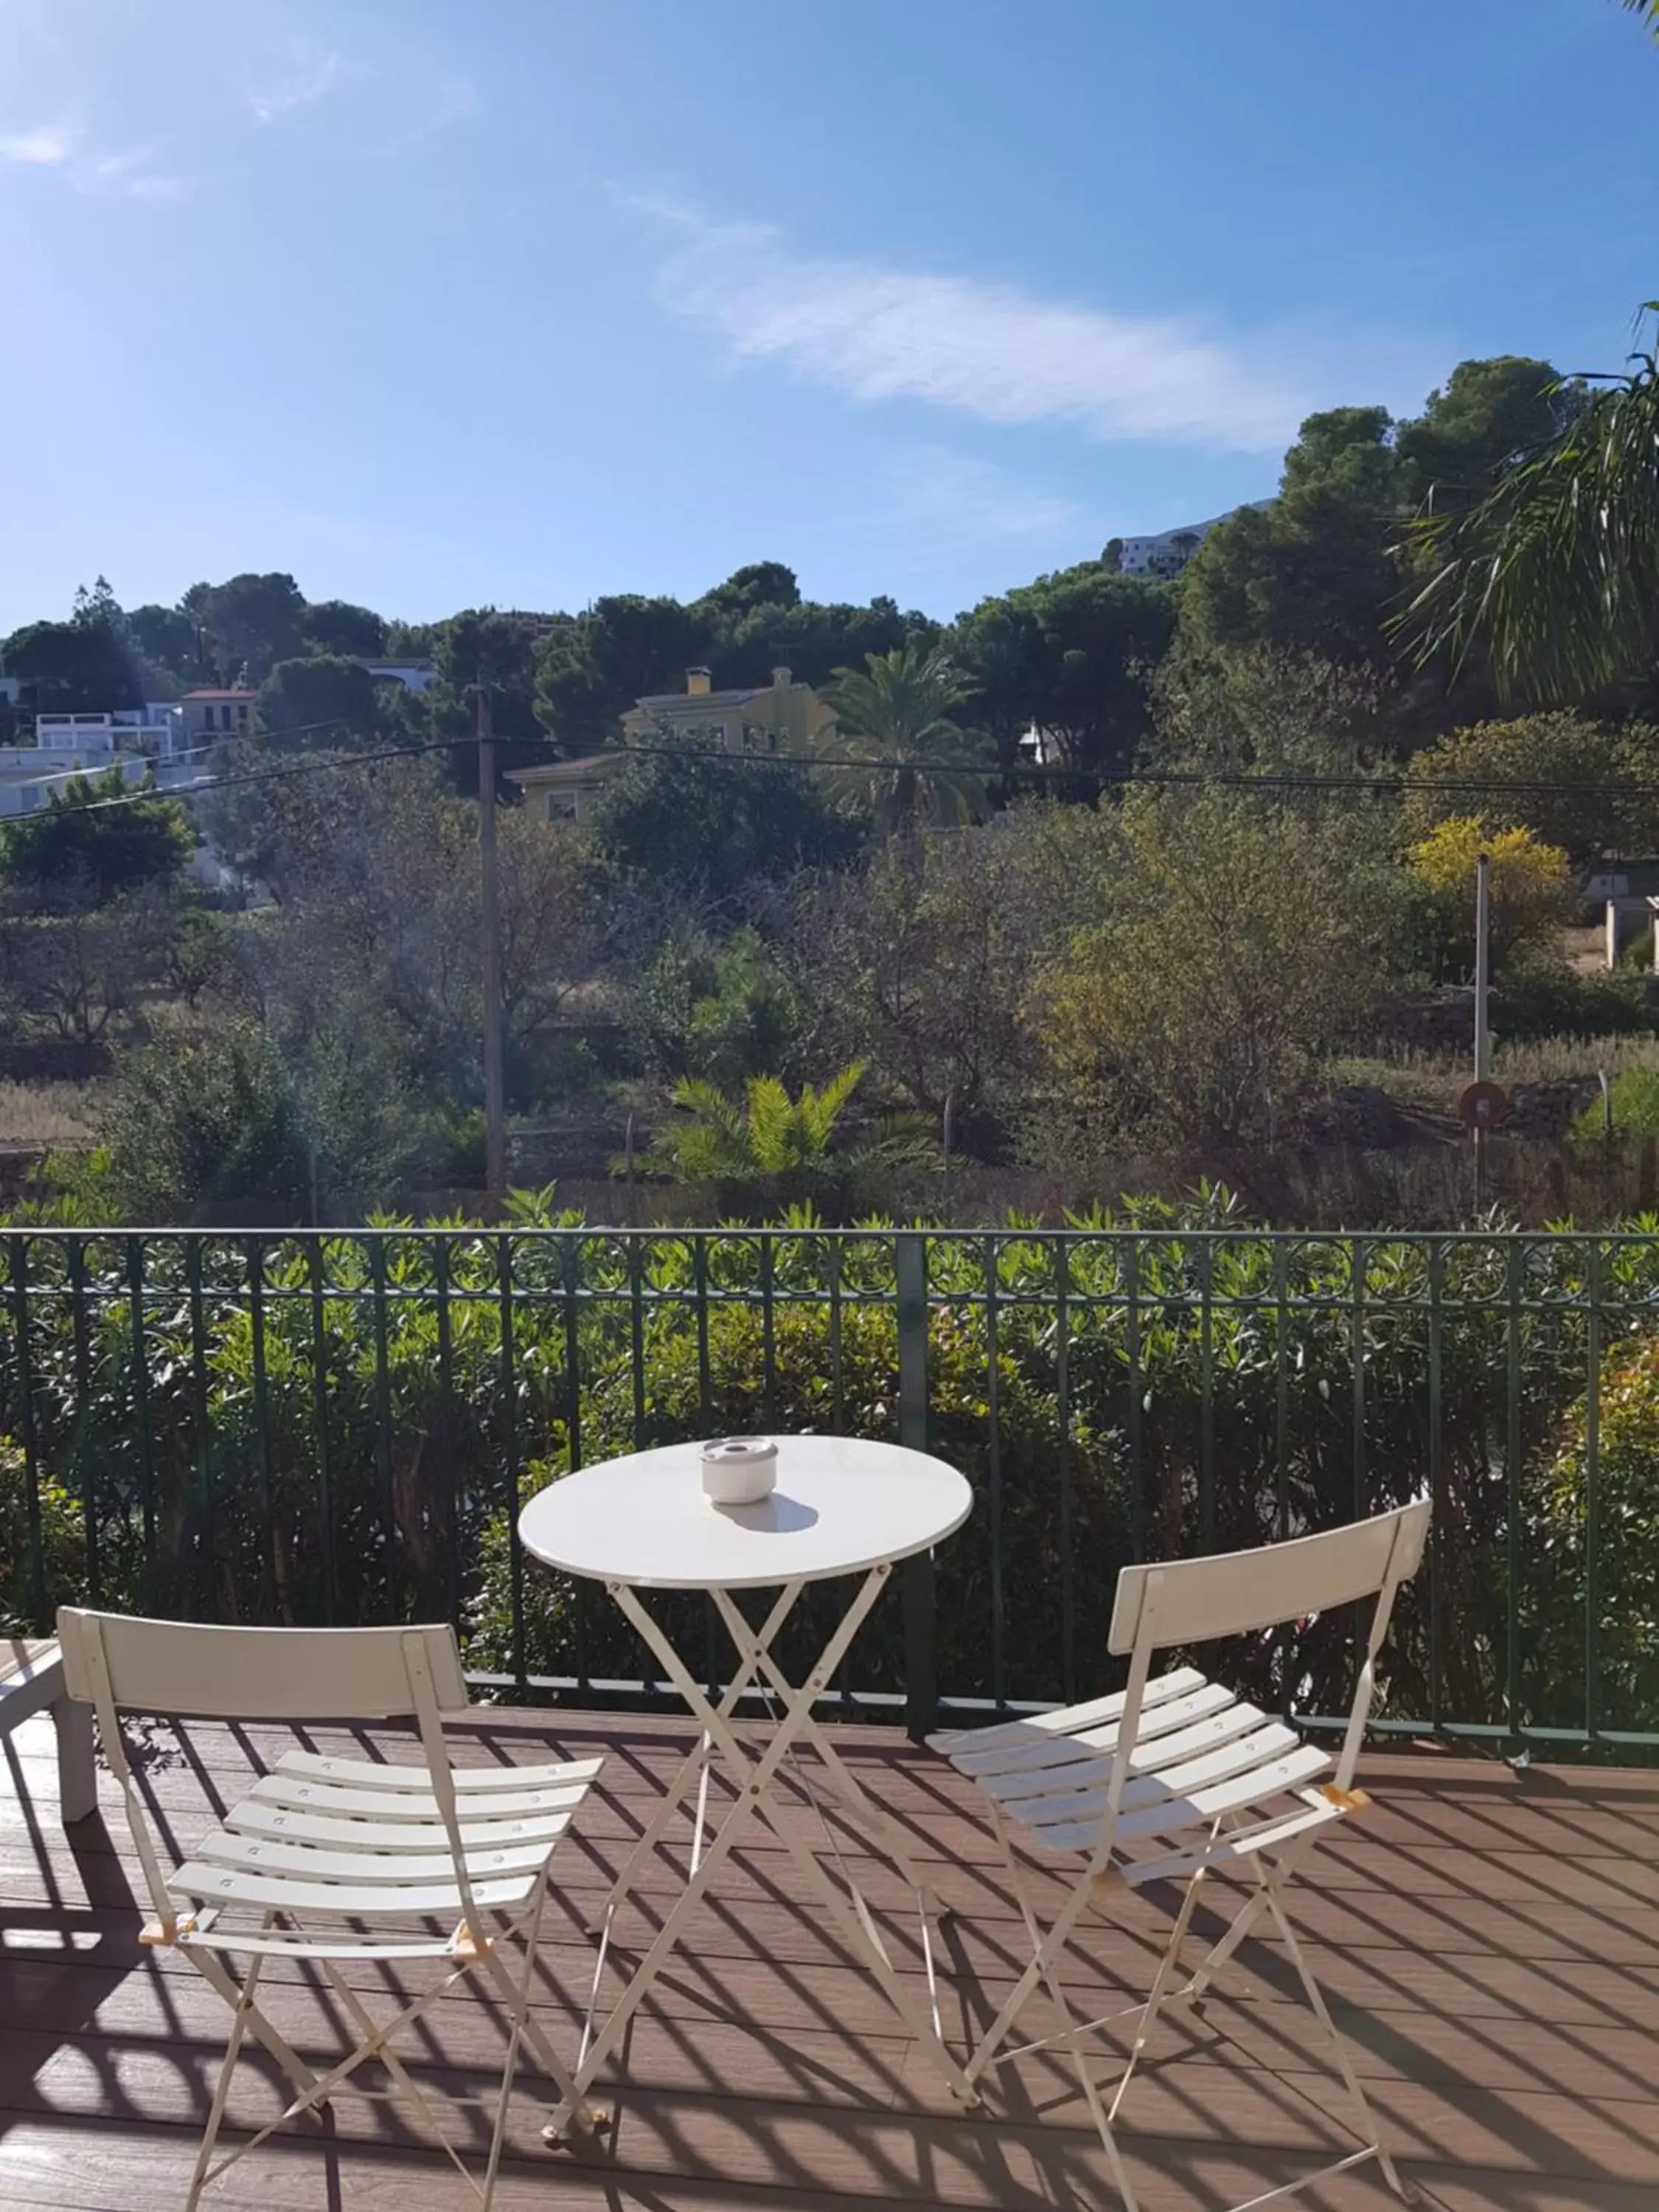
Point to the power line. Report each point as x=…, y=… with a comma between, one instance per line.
x=1385, y=783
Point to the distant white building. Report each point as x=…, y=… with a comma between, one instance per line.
x=210, y=713
x=1168, y=553
x=155, y=731
x=413, y=675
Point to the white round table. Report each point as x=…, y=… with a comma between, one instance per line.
x=841, y=1507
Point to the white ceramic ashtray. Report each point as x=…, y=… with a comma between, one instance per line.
x=739, y=1470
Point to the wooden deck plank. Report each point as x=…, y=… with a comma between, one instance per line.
x=1490, y=1941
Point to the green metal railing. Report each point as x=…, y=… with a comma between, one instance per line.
x=323, y=1425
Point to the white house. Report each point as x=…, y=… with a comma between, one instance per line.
x=1167, y=552
x=155, y=730
x=413, y=675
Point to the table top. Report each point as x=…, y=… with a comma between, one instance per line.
x=841, y=1505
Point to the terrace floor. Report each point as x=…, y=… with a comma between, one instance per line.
x=1489, y=1939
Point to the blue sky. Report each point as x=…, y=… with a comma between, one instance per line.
x=531, y=299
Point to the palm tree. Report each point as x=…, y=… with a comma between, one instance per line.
x=895, y=743
x=1555, y=572
x=765, y=1134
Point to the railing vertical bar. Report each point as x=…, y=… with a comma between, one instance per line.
x=769, y=1335
x=994, y=1477
x=319, y=1427
x=206, y=1488
x=86, y=1454
x=383, y=1421
x=255, y=1251
x=29, y=1436
x=1207, y=1397
x=509, y=1393
x=1437, y=1284
x=1281, y=1394
x=636, y=1335
x=1136, y=1393
x=448, y=1426
x=837, y=1408
x=570, y=1264
x=1284, y=1640
x=1592, y=1491
x=1512, y=1492
x=1063, y=1452
x=921, y=1621
x=700, y=1291
x=711, y=1619
x=1360, y=1263
x=141, y=1410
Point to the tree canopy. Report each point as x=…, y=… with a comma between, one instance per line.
x=716, y=831
x=79, y=846
x=336, y=626
x=322, y=702
x=75, y=667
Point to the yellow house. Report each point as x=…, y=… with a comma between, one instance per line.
x=780, y=717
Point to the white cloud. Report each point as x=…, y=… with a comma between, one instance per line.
x=62, y=146
x=305, y=72
x=985, y=350
x=47, y=146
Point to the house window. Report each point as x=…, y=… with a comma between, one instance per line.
x=241, y=713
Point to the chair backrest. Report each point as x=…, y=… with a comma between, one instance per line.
x=189, y=1670
x=205, y=1672
x=1200, y=1600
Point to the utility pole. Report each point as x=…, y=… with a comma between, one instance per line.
x=1482, y=966
x=494, y=1068
x=1482, y=989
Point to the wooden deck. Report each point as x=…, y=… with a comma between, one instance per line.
x=1490, y=1941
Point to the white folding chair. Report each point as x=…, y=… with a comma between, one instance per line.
x=1173, y=1777
x=331, y=1860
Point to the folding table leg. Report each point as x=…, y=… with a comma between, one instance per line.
x=853, y=1918
x=668, y=1804
x=753, y=1777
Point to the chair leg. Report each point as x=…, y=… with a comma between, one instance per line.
x=1370, y=2131
x=376, y=2044
x=1101, y=2118
x=1166, y=1966
x=520, y=2013
x=221, y=2089
x=212, y=1969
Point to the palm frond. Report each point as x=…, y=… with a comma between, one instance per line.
x=895, y=715
x=1555, y=574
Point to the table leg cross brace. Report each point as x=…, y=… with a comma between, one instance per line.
x=754, y=1777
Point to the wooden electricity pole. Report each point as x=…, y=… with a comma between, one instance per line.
x=1482, y=1003
x=495, y=1057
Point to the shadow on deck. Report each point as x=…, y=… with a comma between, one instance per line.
x=1489, y=1940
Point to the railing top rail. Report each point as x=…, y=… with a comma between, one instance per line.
x=55, y=1232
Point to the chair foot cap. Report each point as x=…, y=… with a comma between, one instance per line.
x=567, y=2127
